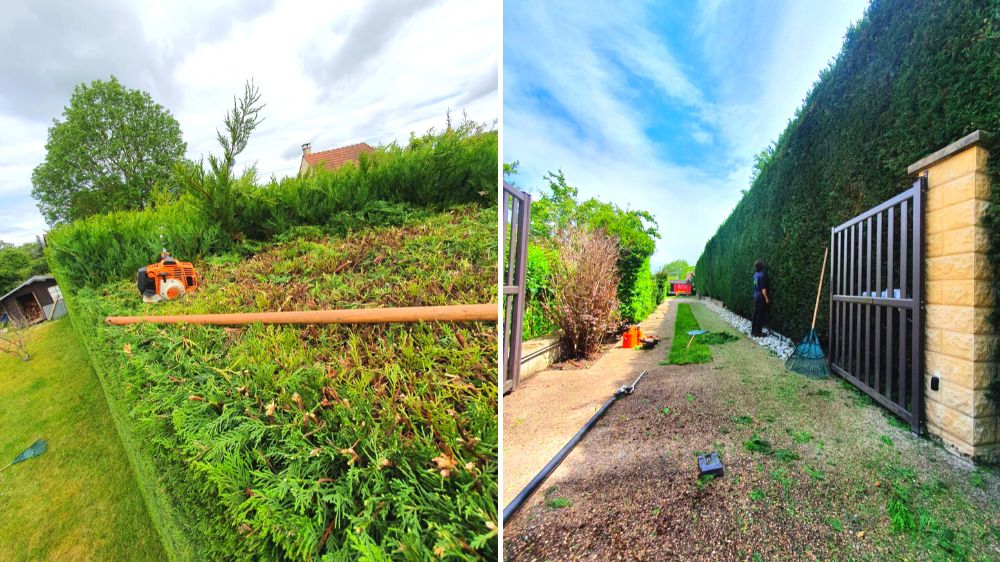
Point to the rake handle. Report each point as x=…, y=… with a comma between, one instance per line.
x=819, y=291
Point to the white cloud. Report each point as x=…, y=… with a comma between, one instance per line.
x=323, y=77
x=568, y=104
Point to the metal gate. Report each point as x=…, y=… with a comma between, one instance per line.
x=516, y=214
x=876, y=303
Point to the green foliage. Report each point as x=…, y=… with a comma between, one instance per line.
x=677, y=269
x=558, y=503
x=217, y=190
x=433, y=171
x=538, y=291
x=786, y=455
x=111, y=148
x=756, y=495
x=757, y=445
x=436, y=170
x=717, y=338
x=680, y=353
x=992, y=223
x=558, y=209
x=111, y=247
x=19, y=262
x=315, y=442
x=911, y=78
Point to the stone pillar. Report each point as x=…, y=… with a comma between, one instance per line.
x=959, y=340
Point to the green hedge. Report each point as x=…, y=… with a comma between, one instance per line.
x=187, y=453
x=911, y=78
x=437, y=170
x=538, y=291
x=636, y=290
x=227, y=477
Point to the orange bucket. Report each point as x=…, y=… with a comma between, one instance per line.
x=628, y=342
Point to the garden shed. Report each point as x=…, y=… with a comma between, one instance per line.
x=36, y=300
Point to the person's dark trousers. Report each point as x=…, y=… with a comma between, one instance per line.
x=759, y=313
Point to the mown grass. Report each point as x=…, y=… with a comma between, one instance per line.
x=826, y=458
x=79, y=501
x=310, y=442
x=680, y=353
x=698, y=352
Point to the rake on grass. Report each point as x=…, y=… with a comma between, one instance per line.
x=36, y=449
x=808, y=358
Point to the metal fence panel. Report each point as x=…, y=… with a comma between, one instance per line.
x=875, y=246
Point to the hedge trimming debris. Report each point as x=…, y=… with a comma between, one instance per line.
x=315, y=442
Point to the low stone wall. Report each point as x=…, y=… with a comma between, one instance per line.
x=537, y=354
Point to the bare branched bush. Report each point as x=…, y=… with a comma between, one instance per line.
x=14, y=339
x=585, y=290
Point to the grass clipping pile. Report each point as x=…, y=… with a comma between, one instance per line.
x=319, y=442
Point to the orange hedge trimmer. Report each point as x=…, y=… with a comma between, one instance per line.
x=167, y=279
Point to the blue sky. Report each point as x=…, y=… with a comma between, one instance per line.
x=660, y=106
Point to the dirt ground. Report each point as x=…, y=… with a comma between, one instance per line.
x=838, y=479
x=549, y=407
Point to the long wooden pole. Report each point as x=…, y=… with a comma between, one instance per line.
x=453, y=313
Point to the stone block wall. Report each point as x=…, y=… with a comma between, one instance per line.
x=959, y=340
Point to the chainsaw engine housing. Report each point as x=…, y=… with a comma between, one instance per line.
x=167, y=279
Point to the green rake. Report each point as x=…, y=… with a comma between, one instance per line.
x=808, y=358
x=36, y=449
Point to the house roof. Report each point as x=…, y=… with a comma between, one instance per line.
x=337, y=157
x=32, y=279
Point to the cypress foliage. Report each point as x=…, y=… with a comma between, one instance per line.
x=911, y=78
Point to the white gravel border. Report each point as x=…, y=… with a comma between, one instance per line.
x=773, y=341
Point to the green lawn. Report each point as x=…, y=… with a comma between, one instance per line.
x=78, y=501
x=683, y=351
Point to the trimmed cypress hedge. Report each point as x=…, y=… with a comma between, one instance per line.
x=416, y=482
x=911, y=78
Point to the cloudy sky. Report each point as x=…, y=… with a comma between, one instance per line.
x=331, y=73
x=660, y=106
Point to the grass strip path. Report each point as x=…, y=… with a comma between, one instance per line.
x=698, y=351
x=79, y=501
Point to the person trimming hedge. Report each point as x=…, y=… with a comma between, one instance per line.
x=760, y=299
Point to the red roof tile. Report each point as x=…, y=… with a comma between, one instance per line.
x=337, y=157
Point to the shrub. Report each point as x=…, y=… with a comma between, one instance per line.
x=436, y=170
x=538, y=292
x=584, y=287
x=635, y=231
x=105, y=248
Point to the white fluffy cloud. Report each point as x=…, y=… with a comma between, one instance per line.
x=588, y=88
x=331, y=73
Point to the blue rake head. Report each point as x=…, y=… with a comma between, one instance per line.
x=810, y=348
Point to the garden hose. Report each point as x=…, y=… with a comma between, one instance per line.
x=528, y=490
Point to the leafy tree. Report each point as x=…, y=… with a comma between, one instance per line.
x=558, y=210
x=112, y=147
x=677, y=269
x=19, y=262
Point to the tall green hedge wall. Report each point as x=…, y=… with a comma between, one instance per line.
x=912, y=77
